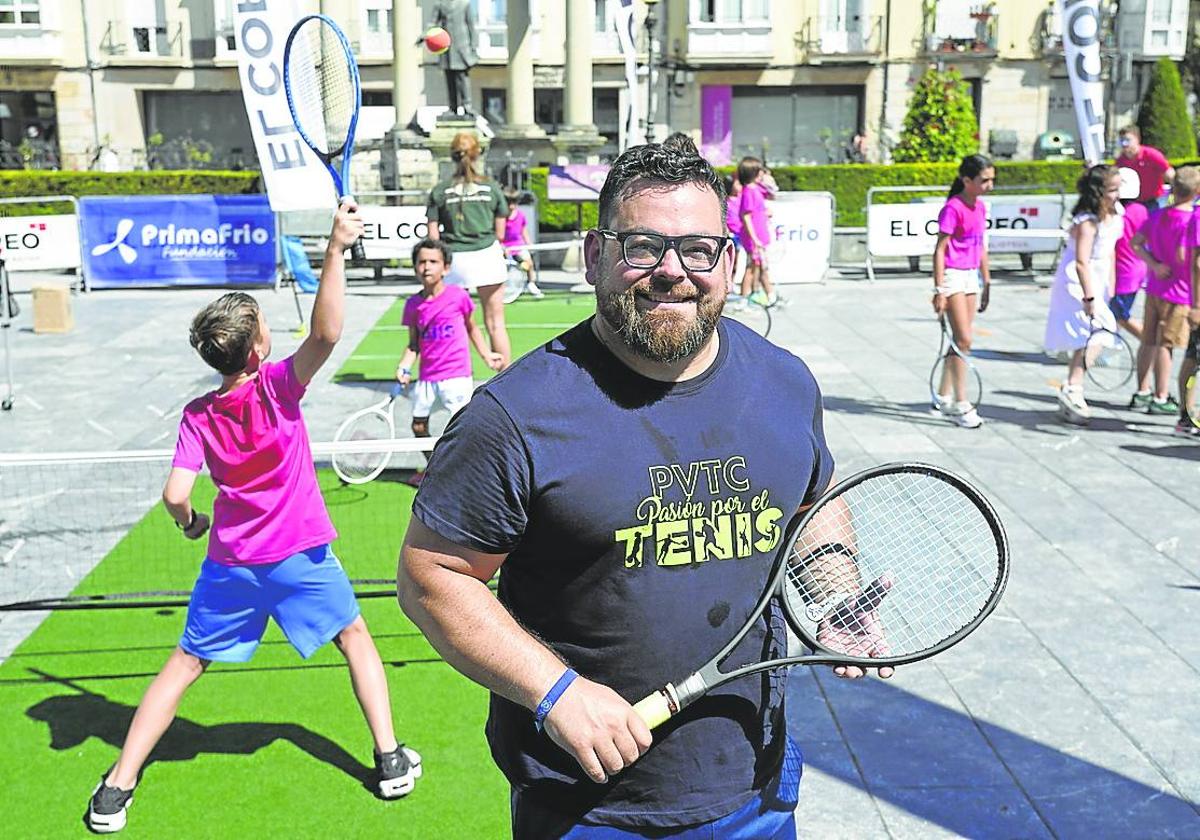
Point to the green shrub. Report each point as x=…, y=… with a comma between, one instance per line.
x=1162, y=117
x=34, y=182
x=848, y=183
x=940, y=124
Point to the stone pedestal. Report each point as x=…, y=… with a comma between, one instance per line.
x=405, y=161
x=577, y=144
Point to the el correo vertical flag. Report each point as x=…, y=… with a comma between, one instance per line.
x=1081, y=45
x=622, y=16
x=294, y=178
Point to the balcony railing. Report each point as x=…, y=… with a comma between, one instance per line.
x=978, y=38
x=156, y=41
x=838, y=36
x=1048, y=41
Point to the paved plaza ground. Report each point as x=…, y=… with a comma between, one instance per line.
x=1071, y=713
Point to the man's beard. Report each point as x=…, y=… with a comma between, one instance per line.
x=660, y=336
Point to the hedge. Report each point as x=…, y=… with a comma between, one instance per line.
x=32, y=182
x=848, y=183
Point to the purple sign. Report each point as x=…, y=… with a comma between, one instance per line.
x=576, y=182
x=716, y=129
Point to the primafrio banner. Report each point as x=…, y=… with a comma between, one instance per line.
x=1081, y=45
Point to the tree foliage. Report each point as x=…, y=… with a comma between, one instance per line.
x=940, y=124
x=1162, y=117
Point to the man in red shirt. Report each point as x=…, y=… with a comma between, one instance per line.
x=1151, y=165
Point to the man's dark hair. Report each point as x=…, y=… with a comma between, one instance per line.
x=654, y=164
x=681, y=142
x=434, y=244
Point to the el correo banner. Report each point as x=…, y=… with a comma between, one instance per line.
x=39, y=243
x=294, y=177
x=1015, y=224
x=1081, y=45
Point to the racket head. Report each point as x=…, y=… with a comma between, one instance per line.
x=364, y=464
x=1108, y=359
x=941, y=378
x=892, y=566
x=320, y=80
x=514, y=282
x=755, y=316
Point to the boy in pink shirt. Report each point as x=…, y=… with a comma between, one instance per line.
x=268, y=548
x=440, y=328
x=516, y=240
x=756, y=231
x=1166, y=242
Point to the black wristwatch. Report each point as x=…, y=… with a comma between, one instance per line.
x=1088, y=299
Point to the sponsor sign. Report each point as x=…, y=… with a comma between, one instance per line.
x=39, y=243
x=576, y=182
x=391, y=232
x=802, y=237
x=185, y=240
x=1016, y=224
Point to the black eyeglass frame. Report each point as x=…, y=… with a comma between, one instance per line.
x=669, y=242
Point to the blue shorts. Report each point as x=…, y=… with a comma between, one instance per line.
x=308, y=595
x=769, y=816
x=1122, y=305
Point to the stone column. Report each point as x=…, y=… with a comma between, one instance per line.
x=578, y=139
x=408, y=76
x=519, y=118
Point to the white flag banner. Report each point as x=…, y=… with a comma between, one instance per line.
x=1081, y=44
x=622, y=17
x=295, y=179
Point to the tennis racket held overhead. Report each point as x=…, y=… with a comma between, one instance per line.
x=320, y=80
x=891, y=566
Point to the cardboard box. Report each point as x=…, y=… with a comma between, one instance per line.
x=52, y=309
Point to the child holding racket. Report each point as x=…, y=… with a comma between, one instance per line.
x=516, y=241
x=269, y=547
x=960, y=271
x=440, y=330
x=756, y=231
x=1079, y=297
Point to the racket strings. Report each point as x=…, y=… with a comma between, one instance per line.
x=893, y=567
x=360, y=466
x=322, y=86
x=1108, y=359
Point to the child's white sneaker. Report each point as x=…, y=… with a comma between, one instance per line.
x=1071, y=405
x=942, y=405
x=964, y=414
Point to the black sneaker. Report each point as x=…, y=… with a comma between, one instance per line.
x=397, y=772
x=107, y=809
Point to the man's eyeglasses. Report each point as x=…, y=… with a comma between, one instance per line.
x=640, y=249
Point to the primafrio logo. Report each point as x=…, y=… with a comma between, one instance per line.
x=127, y=253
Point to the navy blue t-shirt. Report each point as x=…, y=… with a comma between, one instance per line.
x=640, y=520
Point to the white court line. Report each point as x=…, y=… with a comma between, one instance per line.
x=156, y=410
x=33, y=402
x=12, y=552
x=100, y=428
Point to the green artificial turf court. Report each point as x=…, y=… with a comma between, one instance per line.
x=531, y=323
x=276, y=747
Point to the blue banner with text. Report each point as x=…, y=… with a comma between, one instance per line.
x=177, y=240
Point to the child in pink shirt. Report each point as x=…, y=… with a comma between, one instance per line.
x=439, y=328
x=268, y=548
x=516, y=240
x=1130, y=268
x=733, y=221
x=755, y=236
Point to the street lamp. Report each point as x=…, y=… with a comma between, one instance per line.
x=651, y=22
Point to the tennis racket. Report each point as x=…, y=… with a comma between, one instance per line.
x=891, y=566
x=514, y=280
x=1108, y=359
x=373, y=423
x=320, y=79
x=754, y=315
x=943, y=390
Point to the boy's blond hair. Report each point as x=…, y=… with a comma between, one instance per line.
x=1186, y=183
x=224, y=332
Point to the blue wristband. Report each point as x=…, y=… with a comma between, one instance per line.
x=556, y=691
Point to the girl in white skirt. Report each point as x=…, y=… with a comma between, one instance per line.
x=1083, y=285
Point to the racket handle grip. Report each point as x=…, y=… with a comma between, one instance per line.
x=655, y=709
x=358, y=254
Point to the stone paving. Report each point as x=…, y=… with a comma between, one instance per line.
x=1070, y=713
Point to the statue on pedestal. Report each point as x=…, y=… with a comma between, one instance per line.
x=458, y=19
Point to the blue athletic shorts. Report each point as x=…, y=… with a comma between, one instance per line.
x=769, y=816
x=308, y=595
x=1122, y=305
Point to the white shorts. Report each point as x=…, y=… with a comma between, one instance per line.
x=967, y=281
x=451, y=394
x=472, y=269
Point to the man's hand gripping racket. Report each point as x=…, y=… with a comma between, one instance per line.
x=891, y=566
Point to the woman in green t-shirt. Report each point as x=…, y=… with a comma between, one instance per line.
x=467, y=212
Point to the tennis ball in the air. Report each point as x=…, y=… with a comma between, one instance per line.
x=437, y=40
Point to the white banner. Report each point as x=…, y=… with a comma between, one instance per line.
x=801, y=237
x=39, y=243
x=1081, y=45
x=621, y=12
x=391, y=232
x=295, y=179
x=1016, y=224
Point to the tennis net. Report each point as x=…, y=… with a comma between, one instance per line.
x=88, y=529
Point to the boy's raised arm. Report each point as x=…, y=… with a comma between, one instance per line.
x=328, y=313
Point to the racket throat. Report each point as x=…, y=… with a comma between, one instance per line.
x=681, y=696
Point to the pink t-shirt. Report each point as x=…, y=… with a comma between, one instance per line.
x=1171, y=234
x=1151, y=165
x=1131, y=269
x=255, y=444
x=966, y=227
x=733, y=221
x=754, y=202
x=514, y=226
x=440, y=321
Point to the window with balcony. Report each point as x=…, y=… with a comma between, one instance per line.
x=1165, y=26
x=20, y=13
x=729, y=28
x=960, y=26
x=731, y=11
x=844, y=27
x=491, y=28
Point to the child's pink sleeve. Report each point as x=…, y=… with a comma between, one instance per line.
x=948, y=218
x=189, y=449
x=752, y=201
x=467, y=305
x=409, y=317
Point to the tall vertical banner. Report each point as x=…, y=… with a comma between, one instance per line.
x=294, y=178
x=716, y=124
x=1081, y=44
x=622, y=17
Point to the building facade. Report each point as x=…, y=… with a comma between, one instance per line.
x=128, y=83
